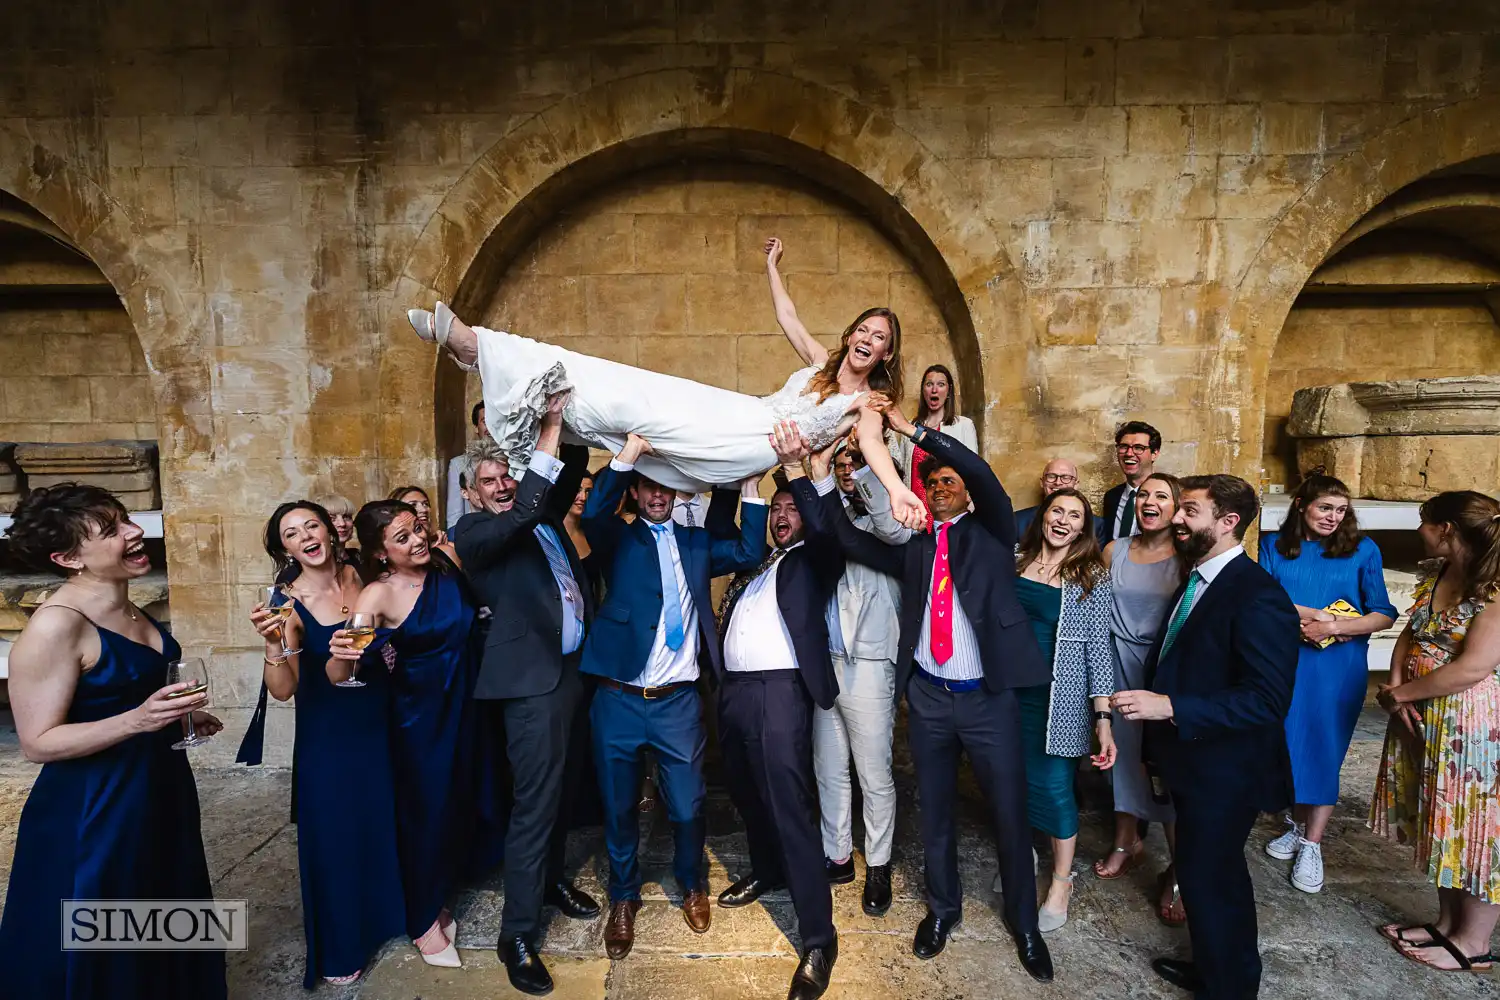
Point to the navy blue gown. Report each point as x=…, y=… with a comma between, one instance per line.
x=433, y=743
x=122, y=823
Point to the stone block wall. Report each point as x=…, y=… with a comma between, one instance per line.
x=1112, y=205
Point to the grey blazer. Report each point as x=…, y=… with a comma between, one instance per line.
x=961, y=430
x=869, y=600
x=1083, y=667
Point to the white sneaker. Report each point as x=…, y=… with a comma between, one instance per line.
x=1284, y=847
x=1307, y=873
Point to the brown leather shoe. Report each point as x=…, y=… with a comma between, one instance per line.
x=619, y=931
x=695, y=910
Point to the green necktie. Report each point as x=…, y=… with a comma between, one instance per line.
x=1184, y=608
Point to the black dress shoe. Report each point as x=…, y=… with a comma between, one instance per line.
x=571, y=901
x=932, y=936
x=877, y=898
x=1179, y=973
x=523, y=964
x=1035, y=958
x=839, y=873
x=813, y=974
x=747, y=890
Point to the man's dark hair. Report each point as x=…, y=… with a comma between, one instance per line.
x=1230, y=495
x=928, y=466
x=1139, y=427
x=474, y=414
x=58, y=519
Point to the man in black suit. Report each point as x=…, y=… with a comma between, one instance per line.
x=966, y=645
x=1220, y=685
x=776, y=668
x=1137, y=446
x=522, y=564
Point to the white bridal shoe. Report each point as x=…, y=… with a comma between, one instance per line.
x=433, y=327
x=445, y=959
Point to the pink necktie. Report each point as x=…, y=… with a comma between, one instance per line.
x=941, y=624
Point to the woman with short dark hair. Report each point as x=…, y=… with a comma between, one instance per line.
x=1325, y=565
x=114, y=812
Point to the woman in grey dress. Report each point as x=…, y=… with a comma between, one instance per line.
x=1145, y=573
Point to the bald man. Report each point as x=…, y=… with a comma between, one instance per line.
x=1059, y=474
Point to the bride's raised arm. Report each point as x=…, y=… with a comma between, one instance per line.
x=811, y=352
x=869, y=431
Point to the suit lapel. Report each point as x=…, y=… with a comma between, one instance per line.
x=692, y=556
x=1208, y=606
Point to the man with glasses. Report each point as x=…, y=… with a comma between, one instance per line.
x=1137, y=444
x=1059, y=474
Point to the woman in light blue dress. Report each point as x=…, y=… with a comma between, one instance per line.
x=1320, y=557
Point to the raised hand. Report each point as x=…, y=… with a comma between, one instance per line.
x=821, y=461
x=787, y=441
x=266, y=622
x=908, y=509
x=773, y=251
x=557, y=401
x=896, y=421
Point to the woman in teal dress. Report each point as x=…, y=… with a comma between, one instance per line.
x=1063, y=585
x=1319, y=556
x=114, y=812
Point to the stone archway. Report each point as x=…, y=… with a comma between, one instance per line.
x=1311, y=229
x=750, y=114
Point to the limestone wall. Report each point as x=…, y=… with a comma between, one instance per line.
x=1112, y=205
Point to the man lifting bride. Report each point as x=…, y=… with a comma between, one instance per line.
x=701, y=436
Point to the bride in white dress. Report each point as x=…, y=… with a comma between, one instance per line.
x=700, y=436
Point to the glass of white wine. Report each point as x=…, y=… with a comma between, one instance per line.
x=275, y=598
x=361, y=631
x=194, y=674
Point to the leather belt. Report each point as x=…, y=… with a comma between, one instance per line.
x=649, y=693
x=947, y=685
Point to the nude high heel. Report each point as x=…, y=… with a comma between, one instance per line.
x=433, y=327
x=446, y=957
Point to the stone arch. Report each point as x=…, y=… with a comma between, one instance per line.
x=1310, y=230
x=636, y=122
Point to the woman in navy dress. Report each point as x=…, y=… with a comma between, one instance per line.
x=114, y=812
x=343, y=789
x=423, y=609
x=1319, y=556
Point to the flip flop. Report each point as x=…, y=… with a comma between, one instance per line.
x=1397, y=934
x=1466, y=963
x=1176, y=900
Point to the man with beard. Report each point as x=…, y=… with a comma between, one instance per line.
x=1220, y=680
x=522, y=565
x=776, y=669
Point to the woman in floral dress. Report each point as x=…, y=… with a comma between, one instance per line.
x=1439, y=783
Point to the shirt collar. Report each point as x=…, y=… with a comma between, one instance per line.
x=952, y=520
x=669, y=525
x=1216, y=565
x=795, y=545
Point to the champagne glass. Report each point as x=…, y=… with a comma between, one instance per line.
x=275, y=598
x=194, y=674
x=361, y=631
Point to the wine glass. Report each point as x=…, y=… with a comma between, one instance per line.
x=276, y=598
x=194, y=674
x=360, y=628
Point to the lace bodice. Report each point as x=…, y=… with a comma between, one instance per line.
x=819, y=422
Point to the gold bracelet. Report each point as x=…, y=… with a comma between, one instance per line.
x=275, y=663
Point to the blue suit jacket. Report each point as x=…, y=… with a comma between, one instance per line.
x=1229, y=674
x=624, y=627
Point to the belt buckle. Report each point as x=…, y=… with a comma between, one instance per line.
x=646, y=693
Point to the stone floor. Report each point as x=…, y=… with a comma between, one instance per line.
x=1319, y=945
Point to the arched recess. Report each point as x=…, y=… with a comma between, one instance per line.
x=1322, y=221
x=627, y=125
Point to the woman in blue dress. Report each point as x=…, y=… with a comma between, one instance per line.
x=423, y=609
x=343, y=788
x=114, y=812
x=1319, y=556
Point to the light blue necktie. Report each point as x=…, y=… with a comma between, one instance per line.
x=1184, y=608
x=671, y=597
x=557, y=561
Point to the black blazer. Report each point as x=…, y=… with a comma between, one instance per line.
x=1104, y=526
x=982, y=549
x=1229, y=674
x=509, y=571
x=805, y=582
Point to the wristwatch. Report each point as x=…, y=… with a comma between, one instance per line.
x=1104, y=716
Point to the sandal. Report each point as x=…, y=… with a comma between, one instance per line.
x=1133, y=856
x=1174, y=905
x=1396, y=934
x=1465, y=963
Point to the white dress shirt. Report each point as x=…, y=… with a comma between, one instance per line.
x=1208, y=571
x=665, y=665
x=545, y=465
x=1127, y=501
x=757, y=638
x=964, y=664
x=457, y=505
x=695, y=504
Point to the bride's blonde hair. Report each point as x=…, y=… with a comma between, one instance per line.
x=885, y=377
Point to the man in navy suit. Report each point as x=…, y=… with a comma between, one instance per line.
x=650, y=636
x=1220, y=685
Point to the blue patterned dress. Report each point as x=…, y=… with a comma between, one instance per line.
x=1331, y=682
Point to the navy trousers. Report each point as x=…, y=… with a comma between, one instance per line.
x=765, y=726
x=624, y=725
x=987, y=726
x=1212, y=828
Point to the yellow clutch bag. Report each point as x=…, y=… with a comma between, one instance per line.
x=1339, y=609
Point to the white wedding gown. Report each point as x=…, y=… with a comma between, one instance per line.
x=702, y=436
